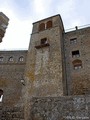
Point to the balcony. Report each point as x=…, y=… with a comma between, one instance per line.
x=42, y=45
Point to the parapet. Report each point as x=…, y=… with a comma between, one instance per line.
x=3, y=25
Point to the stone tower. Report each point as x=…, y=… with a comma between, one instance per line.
x=44, y=63
x=43, y=74
x=3, y=25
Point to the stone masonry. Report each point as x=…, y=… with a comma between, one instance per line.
x=12, y=66
x=3, y=25
x=61, y=108
x=50, y=80
x=77, y=64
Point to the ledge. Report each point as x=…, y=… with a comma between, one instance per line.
x=42, y=45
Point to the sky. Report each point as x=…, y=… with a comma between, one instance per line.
x=22, y=13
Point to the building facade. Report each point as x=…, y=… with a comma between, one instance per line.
x=77, y=61
x=52, y=73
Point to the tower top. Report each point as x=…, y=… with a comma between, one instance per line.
x=55, y=20
x=47, y=18
x=3, y=24
x=4, y=16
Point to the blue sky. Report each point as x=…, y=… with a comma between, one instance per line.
x=22, y=13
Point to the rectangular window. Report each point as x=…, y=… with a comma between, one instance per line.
x=44, y=41
x=77, y=67
x=73, y=40
x=75, y=53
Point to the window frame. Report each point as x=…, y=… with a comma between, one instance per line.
x=1, y=59
x=77, y=64
x=43, y=41
x=75, y=53
x=73, y=40
x=49, y=24
x=11, y=59
x=41, y=26
x=21, y=59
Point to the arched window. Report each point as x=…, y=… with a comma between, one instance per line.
x=21, y=59
x=41, y=27
x=1, y=95
x=11, y=59
x=1, y=59
x=77, y=64
x=49, y=24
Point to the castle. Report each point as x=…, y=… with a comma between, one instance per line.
x=50, y=80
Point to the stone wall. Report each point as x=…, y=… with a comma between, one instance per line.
x=13, y=113
x=12, y=71
x=51, y=108
x=43, y=73
x=61, y=108
x=78, y=78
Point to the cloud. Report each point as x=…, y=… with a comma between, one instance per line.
x=18, y=31
x=40, y=8
x=22, y=8
x=23, y=13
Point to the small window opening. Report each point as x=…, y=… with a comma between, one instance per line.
x=49, y=24
x=44, y=41
x=1, y=59
x=85, y=90
x=77, y=64
x=75, y=53
x=73, y=40
x=1, y=95
x=21, y=59
x=77, y=67
x=11, y=59
x=42, y=26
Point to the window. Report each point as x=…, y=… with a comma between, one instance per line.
x=21, y=59
x=1, y=95
x=77, y=67
x=49, y=24
x=75, y=53
x=1, y=59
x=73, y=40
x=77, y=64
x=41, y=27
x=44, y=41
x=11, y=59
